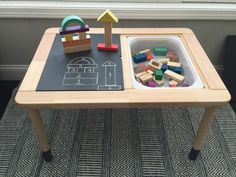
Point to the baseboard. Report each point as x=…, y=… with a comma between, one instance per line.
x=12, y=72
x=17, y=72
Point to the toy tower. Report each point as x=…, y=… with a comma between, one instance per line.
x=107, y=18
x=74, y=38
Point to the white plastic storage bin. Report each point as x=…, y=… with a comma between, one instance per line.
x=136, y=44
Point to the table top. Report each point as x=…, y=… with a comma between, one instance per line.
x=214, y=92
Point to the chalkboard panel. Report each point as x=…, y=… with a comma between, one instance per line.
x=89, y=70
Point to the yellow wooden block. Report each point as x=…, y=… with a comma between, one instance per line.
x=150, y=72
x=159, y=82
x=145, y=78
x=168, y=74
x=174, y=64
x=77, y=48
x=154, y=65
x=107, y=16
x=68, y=37
x=163, y=60
x=140, y=74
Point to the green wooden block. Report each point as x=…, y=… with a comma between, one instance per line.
x=160, y=51
x=158, y=74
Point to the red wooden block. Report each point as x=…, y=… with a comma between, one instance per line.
x=76, y=42
x=149, y=56
x=112, y=48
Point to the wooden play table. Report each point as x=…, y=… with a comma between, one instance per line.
x=213, y=94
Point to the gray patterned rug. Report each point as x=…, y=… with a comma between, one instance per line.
x=117, y=143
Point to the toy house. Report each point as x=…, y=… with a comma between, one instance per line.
x=74, y=38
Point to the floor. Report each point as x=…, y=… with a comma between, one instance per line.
x=6, y=88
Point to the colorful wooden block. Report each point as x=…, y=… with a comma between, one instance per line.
x=140, y=67
x=174, y=64
x=149, y=56
x=151, y=83
x=68, y=37
x=140, y=74
x=112, y=48
x=71, y=19
x=159, y=82
x=140, y=58
x=145, y=51
x=154, y=65
x=158, y=74
x=107, y=16
x=163, y=60
x=164, y=67
x=76, y=43
x=177, y=70
x=160, y=51
x=145, y=78
x=172, y=55
x=168, y=74
x=75, y=49
x=185, y=85
x=173, y=83
x=82, y=35
x=150, y=72
x=74, y=29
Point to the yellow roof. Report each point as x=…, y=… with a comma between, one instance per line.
x=107, y=16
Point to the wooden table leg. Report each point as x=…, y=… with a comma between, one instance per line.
x=202, y=132
x=37, y=124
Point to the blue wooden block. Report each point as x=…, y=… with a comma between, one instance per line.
x=177, y=70
x=140, y=58
x=164, y=67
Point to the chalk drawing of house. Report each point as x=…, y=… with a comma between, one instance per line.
x=81, y=71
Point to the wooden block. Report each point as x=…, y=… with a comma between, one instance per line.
x=159, y=82
x=150, y=72
x=75, y=49
x=145, y=78
x=82, y=35
x=158, y=74
x=68, y=37
x=71, y=19
x=140, y=74
x=107, y=16
x=140, y=58
x=172, y=55
x=140, y=67
x=177, y=70
x=76, y=42
x=75, y=38
x=163, y=60
x=173, y=83
x=160, y=51
x=144, y=51
x=174, y=64
x=164, y=67
x=151, y=83
x=154, y=65
x=112, y=48
x=108, y=34
x=168, y=74
x=149, y=56
x=74, y=29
